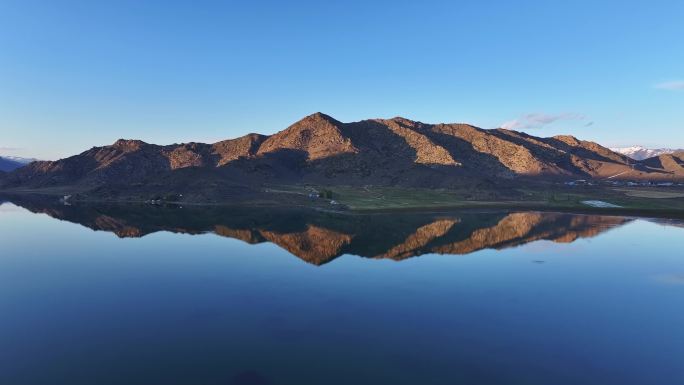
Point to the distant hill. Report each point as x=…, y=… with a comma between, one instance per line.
x=11, y=163
x=641, y=153
x=670, y=163
x=321, y=150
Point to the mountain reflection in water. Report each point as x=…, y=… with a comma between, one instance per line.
x=320, y=237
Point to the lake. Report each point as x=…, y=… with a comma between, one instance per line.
x=105, y=294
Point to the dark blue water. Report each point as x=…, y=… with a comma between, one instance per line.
x=598, y=303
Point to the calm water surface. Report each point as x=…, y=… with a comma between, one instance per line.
x=140, y=295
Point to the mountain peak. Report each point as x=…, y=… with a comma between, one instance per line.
x=405, y=121
x=128, y=144
x=317, y=119
x=567, y=139
x=641, y=152
x=319, y=116
x=317, y=135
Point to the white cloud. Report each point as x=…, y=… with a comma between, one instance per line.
x=673, y=85
x=537, y=120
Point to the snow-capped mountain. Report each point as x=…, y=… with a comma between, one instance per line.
x=641, y=153
x=11, y=163
x=18, y=159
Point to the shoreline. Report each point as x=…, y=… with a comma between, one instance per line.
x=346, y=210
x=624, y=212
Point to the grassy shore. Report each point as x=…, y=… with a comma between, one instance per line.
x=651, y=201
x=636, y=201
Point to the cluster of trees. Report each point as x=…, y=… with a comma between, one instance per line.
x=327, y=194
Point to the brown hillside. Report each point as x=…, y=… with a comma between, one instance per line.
x=319, y=149
x=317, y=136
x=672, y=164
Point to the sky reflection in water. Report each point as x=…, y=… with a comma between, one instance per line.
x=282, y=297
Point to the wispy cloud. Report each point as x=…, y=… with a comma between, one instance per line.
x=9, y=150
x=537, y=120
x=675, y=85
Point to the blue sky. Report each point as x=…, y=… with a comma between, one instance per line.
x=74, y=74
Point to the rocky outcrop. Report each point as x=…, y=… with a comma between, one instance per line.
x=317, y=136
x=243, y=147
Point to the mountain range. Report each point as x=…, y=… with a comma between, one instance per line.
x=321, y=150
x=641, y=153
